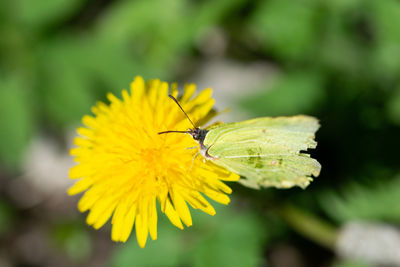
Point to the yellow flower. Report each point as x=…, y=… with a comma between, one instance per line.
x=125, y=166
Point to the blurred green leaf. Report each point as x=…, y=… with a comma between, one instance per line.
x=310, y=225
x=165, y=251
x=74, y=239
x=355, y=201
x=69, y=99
x=386, y=17
x=17, y=121
x=287, y=28
x=124, y=30
x=386, y=53
x=7, y=217
x=39, y=13
x=340, y=49
x=393, y=107
x=291, y=94
x=157, y=34
x=236, y=240
x=66, y=88
x=343, y=5
x=132, y=19
x=350, y=263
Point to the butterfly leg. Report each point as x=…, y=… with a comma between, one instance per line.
x=195, y=156
x=192, y=147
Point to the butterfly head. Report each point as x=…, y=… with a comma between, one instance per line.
x=198, y=134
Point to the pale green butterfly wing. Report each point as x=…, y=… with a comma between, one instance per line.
x=266, y=151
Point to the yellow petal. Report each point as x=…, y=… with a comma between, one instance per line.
x=173, y=216
x=128, y=224
x=203, y=97
x=195, y=199
x=219, y=197
x=142, y=223
x=113, y=99
x=82, y=142
x=85, y=132
x=182, y=208
x=80, y=186
x=123, y=220
x=89, y=121
x=101, y=212
x=79, y=171
x=153, y=219
x=137, y=89
x=188, y=92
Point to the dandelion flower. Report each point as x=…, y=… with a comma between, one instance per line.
x=126, y=167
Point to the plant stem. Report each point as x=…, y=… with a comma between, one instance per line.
x=310, y=226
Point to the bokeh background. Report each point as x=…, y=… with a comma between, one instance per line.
x=338, y=60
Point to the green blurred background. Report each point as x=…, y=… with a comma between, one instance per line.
x=338, y=60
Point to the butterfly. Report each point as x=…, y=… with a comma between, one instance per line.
x=265, y=152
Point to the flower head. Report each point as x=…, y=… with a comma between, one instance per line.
x=126, y=167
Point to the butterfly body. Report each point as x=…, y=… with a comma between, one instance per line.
x=264, y=151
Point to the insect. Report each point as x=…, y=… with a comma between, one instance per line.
x=265, y=152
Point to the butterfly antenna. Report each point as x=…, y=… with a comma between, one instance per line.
x=172, y=132
x=176, y=101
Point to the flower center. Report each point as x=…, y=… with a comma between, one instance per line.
x=155, y=160
x=151, y=156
